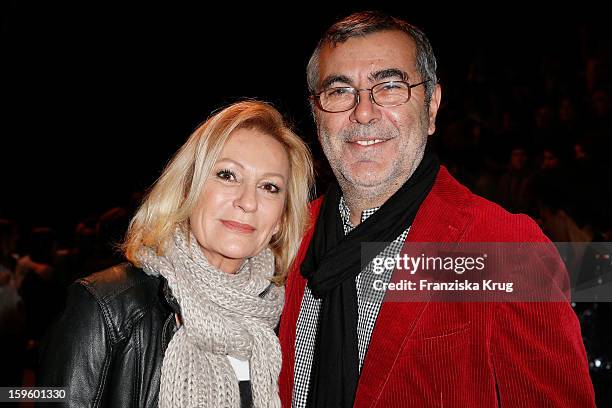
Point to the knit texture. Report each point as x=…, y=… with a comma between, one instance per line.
x=223, y=314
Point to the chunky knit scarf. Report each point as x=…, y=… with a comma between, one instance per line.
x=223, y=314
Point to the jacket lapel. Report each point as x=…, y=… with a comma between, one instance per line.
x=440, y=219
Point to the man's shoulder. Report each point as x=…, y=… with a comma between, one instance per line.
x=503, y=225
x=489, y=221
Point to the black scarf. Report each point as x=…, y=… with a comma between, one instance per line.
x=331, y=265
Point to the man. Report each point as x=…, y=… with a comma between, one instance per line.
x=375, y=98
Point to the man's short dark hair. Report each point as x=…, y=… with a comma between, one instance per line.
x=368, y=22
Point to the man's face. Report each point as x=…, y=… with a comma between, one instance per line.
x=372, y=148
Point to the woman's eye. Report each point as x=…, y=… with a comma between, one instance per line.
x=271, y=188
x=227, y=175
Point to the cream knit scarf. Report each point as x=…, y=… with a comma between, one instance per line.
x=223, y=314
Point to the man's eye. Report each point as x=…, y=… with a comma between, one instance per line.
x=391, y=86
x=271, y=188
x=227, y=175
x=339, y=91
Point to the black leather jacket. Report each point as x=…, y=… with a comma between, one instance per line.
x=108, y=345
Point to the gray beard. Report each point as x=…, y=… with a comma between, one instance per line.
x=362, y=194
x=356, y=131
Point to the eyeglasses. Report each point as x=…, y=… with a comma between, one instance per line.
x=345, y=98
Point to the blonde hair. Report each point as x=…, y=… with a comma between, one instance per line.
x=173, y=196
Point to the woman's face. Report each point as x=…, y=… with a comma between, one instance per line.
x=242, y=202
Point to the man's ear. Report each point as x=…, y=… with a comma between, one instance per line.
x=434, y=104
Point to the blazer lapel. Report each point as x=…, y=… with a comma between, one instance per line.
x=438, y=220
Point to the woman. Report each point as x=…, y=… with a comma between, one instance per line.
x=189, y=322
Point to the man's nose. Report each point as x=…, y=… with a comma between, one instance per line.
x=366, y=111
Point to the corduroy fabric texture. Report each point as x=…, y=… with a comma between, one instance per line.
x=463, y=355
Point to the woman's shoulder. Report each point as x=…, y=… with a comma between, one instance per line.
x=118, y=279
x=123, y=289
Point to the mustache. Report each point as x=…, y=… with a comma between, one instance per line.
x=374, y=131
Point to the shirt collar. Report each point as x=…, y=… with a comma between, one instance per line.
x=345, y=213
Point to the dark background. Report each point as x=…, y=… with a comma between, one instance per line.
x=96, y=97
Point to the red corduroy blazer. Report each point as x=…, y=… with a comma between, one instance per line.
x=435, y=354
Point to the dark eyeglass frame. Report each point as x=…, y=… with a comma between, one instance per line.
x=357, y=92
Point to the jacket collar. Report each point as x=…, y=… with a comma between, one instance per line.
x=169, y=297
x=441, y=218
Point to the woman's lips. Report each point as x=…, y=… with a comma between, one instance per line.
x=238, y=226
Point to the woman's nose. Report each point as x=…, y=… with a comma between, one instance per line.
x=247, y=198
